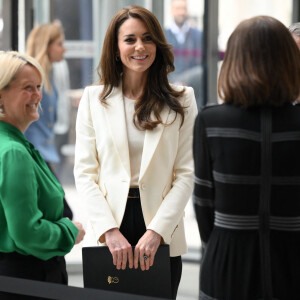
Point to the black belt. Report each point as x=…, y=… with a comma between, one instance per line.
x=134, y=193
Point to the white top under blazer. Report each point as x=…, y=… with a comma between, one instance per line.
x=102, y=166
x=136, y=139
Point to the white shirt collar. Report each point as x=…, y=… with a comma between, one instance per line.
x=180, y=32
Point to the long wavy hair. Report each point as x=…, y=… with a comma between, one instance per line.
x=157, y=92
x=261, y=65
x=38, y=42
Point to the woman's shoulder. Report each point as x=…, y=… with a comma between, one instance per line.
x=91, y=94
x=91, y=89
x=217, y=108
x=179, y=88
x=14, y=150
x=188, y=95
x=95, y=91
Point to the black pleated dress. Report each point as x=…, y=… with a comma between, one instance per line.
x=247, y=202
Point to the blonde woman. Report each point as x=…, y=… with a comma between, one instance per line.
x=34, y=235
x=45, y=43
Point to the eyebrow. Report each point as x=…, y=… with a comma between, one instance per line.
x=27, y=81
x=126, y=35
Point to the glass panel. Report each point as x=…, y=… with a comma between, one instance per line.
x=1, y=24
x=78, y=27
x=183, y=24
x=183, y=28
x=5, y=25
x=232, y=12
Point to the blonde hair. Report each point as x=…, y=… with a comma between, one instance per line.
x=11, y=62
x=38, y=41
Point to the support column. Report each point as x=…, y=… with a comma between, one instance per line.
x=210, y=51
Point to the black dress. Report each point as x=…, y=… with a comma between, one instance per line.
x=247, y=201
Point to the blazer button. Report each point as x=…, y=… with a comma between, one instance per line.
x=143, y=186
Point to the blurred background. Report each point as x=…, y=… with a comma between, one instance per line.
x=198, y=31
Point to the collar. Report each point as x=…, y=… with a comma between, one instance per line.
x=179, y=30
x=14, y=132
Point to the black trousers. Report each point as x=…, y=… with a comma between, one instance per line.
x=30, y=267
x=133, y=227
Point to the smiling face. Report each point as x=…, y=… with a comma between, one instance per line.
x=20, y=100
x=56, y=49
x=137, y=50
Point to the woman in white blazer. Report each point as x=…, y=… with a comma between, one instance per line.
x=133, y=158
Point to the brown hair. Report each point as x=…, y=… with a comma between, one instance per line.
x=38, y=42
x=261, y=65
x=158, y=91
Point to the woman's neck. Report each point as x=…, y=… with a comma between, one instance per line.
x=133, y=85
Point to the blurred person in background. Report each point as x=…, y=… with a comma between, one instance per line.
x=34, y=234
x=247, y=169
x=133, y=154
x=295, y=31
x=187, y=49
x=61, y=80
x=45, y=43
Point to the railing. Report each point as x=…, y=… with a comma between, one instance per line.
x=61, y=292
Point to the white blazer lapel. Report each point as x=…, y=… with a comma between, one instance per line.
x=115, y=114
x=151, y=141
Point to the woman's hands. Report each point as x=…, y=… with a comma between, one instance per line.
x=122, y=253
x=145, y=250
x=120, y=249
x=81, y=232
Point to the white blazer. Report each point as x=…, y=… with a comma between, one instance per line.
x=102, y=166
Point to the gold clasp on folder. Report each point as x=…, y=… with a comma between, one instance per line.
x=111, y=279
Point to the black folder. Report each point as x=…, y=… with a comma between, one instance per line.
x=99, y=272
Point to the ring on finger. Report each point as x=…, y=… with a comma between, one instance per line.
x=146, y=257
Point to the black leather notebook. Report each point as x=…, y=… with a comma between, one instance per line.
x=99, y=272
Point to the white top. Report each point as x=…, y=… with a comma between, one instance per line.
x=135, y=142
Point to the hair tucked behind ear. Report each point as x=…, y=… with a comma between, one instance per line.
x=158, y=92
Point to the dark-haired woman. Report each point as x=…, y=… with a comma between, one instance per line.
x=133, y=159
x=247, y=169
